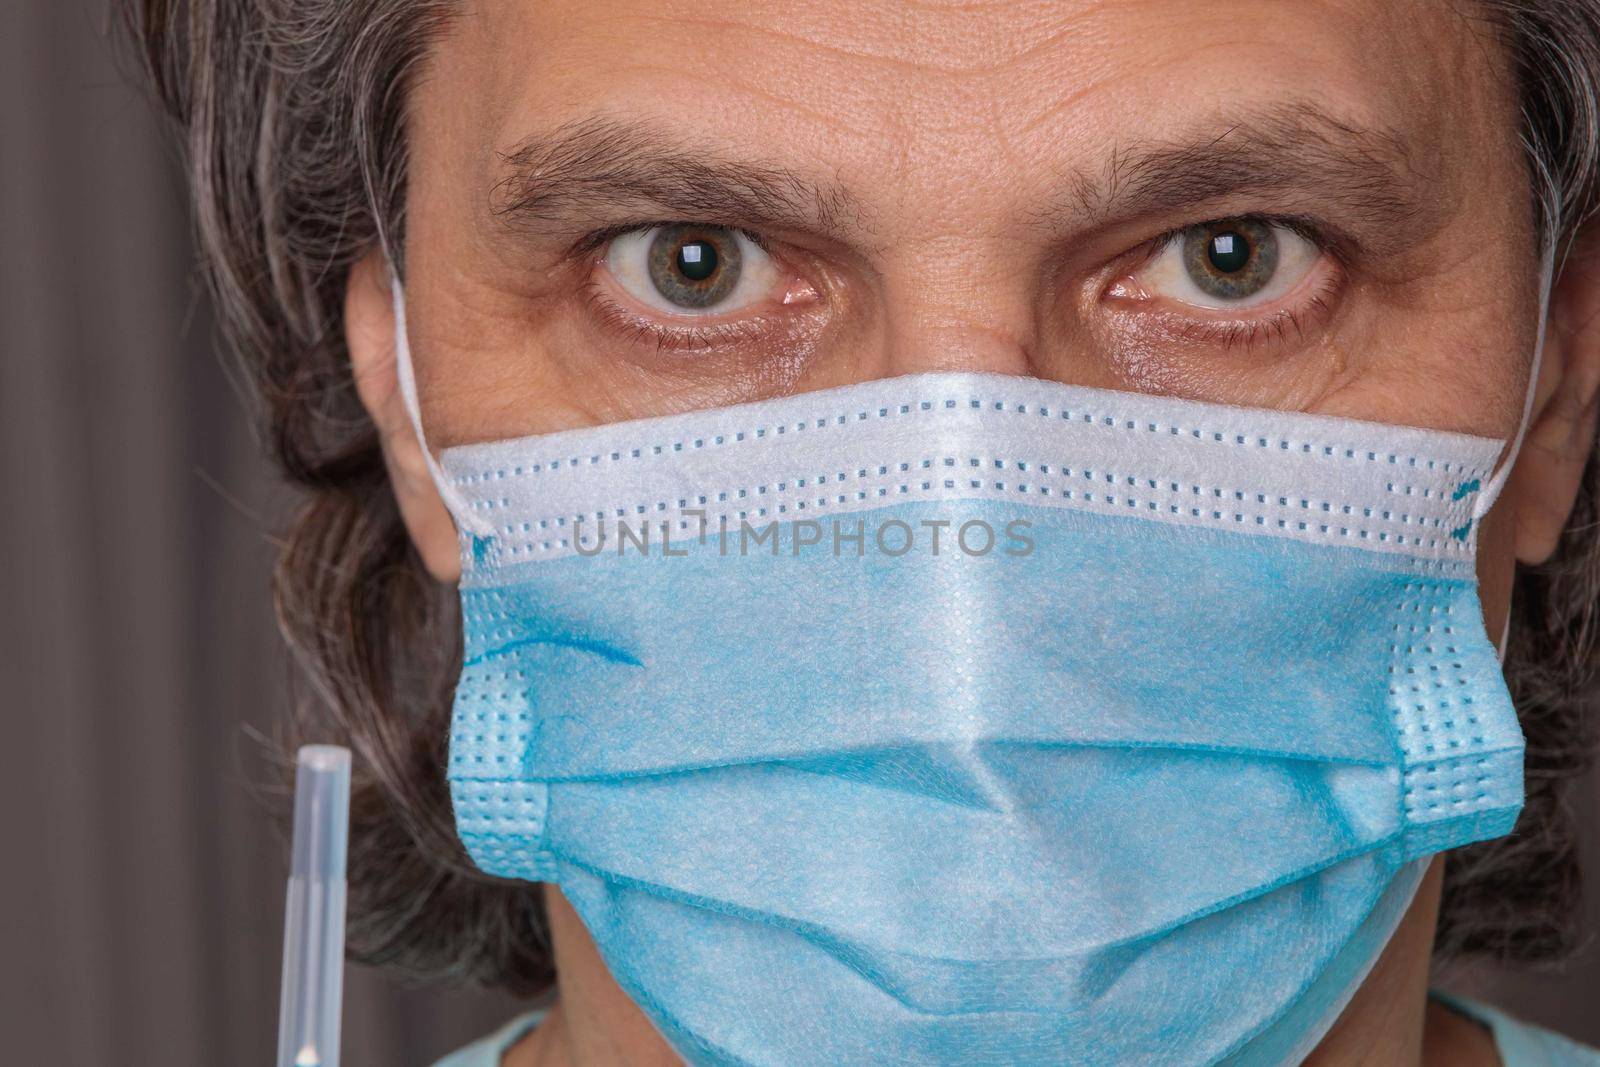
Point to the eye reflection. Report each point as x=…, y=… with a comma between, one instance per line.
x=1230, y=260
x=1229, y=263
x=691, y=269
x=694, y=268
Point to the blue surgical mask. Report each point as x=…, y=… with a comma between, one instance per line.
x=973, y=719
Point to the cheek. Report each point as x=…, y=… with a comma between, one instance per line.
x=1441, y=353
x=482, y=363
x=1284, y=378
x=1496, y=566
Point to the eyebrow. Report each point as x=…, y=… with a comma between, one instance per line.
x=590, y=172
x=1368, y=174
x=596, y=167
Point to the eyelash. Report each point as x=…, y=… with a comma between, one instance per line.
x=591, y=243
x=638, y=330
x=1241, y=333
x=1317, y=233
x=1313, y=230
x=1225, y=334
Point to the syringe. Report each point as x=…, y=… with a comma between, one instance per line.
x=313, y=929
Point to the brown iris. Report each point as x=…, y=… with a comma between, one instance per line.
x=1230, y=259
x=694, y=266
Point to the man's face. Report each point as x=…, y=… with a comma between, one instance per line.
x=638, y=207
x=631, y=208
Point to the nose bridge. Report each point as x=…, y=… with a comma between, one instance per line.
x=961, y=299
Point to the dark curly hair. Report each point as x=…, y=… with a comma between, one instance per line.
x=292, y=121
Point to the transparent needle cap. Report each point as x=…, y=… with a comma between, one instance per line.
x=313, y=929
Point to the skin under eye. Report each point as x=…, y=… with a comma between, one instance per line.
x=691, y=271
x=1228, y=265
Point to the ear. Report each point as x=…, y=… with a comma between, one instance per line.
x=1561, y=428
x=369, y=330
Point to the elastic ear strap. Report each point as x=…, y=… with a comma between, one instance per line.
x=1505, y=637
x=459, y=509
x=1497, y=481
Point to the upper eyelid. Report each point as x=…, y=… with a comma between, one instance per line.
x=1310, y=229
x=596, y=239
x=1328, y=242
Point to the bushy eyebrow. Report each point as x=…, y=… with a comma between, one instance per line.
x=601, y=166
x=589, y=172
x=1366, y=173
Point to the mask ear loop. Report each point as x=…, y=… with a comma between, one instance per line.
x=466, y=519
x=1497, y=481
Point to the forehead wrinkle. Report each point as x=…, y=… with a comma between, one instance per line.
x=889, y=43
x=601, y=162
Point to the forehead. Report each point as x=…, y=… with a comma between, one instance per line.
x=861, y=89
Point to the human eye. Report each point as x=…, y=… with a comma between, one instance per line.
x=1233, y=280
x=687, y=285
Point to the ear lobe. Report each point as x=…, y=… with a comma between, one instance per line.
x=1561, y=434
x=369, y=328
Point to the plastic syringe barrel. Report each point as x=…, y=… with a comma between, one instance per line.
x=313, y=929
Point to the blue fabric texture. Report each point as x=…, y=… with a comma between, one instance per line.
x=1148, y=781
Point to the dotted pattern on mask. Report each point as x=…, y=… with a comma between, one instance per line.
x=1435, y=521
x=501, y=816
x=1459, y=768
x=502, y=824
x=915, y=409
x=491, y=729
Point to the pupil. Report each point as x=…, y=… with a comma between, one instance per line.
x=697, y=260
x=1228, y=252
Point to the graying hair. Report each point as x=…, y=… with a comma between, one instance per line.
x=292, y=119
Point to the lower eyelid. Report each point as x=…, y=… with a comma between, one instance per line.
x=637, y=328
x=1305, y=313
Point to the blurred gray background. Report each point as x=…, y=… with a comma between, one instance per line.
x=141, y=901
